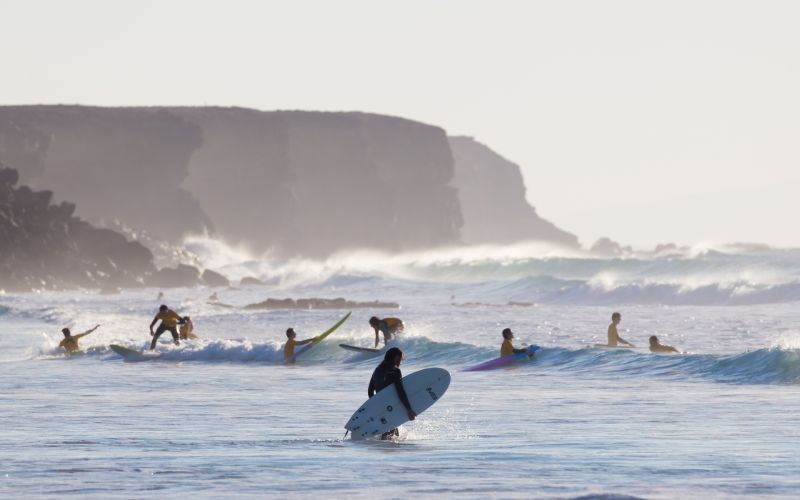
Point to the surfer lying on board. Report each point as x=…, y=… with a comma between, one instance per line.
x=288, y=349
x=186, y=329
x=389, y=327
x=613, y=336
x=655, y=346
x=169, y=320
x=386, y=374
x=70, y=342
x=507, y=347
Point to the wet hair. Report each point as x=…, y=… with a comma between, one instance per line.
x=290, y=330
x=653, y=340
x=616, y=315
x=506, y=331
x=388, y=358
x=185, y=318
x=374, y=321
x=162, y=307
x=66, y=332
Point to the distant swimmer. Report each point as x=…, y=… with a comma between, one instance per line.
x=169, y=320
x=70, y=342
x=655, y=346
x=160, y=296
x=507, y=347
x=389, y=327
x=213, y=296
x=613, y=336
x=185, y=332
x=288, y=349
x=386, y=374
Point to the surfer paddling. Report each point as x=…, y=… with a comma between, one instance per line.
x=169, y=320
x=507, y=347
x=389, y=327
x=288, y=349
x=70, y=342
x=386, y=374
x=613, y=336
x=656, y=346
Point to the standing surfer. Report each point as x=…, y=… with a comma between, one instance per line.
x=169, y=320
x=386, y=374
x=389, y=327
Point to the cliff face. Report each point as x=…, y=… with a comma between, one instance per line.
x=115, y=163
x=492, y=196
x=297, y=182
x=42, y=246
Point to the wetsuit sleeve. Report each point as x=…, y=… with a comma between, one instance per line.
x=401, y=391
x=371, y=388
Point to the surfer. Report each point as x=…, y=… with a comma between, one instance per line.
x=656, y=346
x=70, y=342
x=507, y=347
x=288, y=349
x=186, y=330
x=169, y=320
x=389, y=327
x=613, y=336
x=386, y=374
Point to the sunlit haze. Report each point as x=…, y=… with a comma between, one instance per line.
x=647, y=122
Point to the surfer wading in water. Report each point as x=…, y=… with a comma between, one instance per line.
x=288, y=349
x=613, y=336
x=70, y=342
x=386, y=374
x=169, y=321
x=507, y=347
x=389, y=327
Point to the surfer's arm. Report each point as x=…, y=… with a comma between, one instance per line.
x=87, y=332
x=306, y=341
x=401, y=393
x=153, y=323
x=623, y=341
x=377, y=338
x=371, y=388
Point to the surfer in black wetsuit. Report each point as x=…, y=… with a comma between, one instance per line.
x=386, y=374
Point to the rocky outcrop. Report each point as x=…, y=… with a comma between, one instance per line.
x=338, y=303
x=214, y=279
x=296, y=183
x=43, y=246
x=492, y=196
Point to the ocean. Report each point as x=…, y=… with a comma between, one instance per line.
x=223, y=416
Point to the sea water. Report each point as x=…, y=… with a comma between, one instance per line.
x=223, y=416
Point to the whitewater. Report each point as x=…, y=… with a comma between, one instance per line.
x=222, y=415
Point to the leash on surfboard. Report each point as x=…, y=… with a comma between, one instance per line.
x=345, y=434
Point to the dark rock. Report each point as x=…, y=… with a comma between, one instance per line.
x=249, y=280
x=180, y=276
x=315, y=303
x=214, y=279
x=606, y=247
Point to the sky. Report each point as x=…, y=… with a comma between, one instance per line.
x=648, y=122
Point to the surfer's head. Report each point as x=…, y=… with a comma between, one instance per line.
x=373, y=322
x=616, y=317
x=66, y=332
x=653, y=341
x=393, y=357
x=290, y=333
x=162, y=308
x=508, y=334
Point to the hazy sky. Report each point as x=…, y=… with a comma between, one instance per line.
x=645, y=121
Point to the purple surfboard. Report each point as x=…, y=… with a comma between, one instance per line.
x=510, y=359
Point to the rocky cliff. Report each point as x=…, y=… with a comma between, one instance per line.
x=302, y=183
x=43, y=246
x=492, y=197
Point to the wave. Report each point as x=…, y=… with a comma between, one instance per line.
x=775, y=365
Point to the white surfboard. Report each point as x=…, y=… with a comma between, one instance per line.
x=606, y=346
x=384, y=411
x=355, y=348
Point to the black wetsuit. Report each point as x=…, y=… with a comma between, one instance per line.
x=161, y=329
x=382, y=377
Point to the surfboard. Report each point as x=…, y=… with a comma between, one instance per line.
x=319, y=338
x=384, y=411
x=129, y=354
x=359, y=349
x=606, y=346
x=507, y=360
